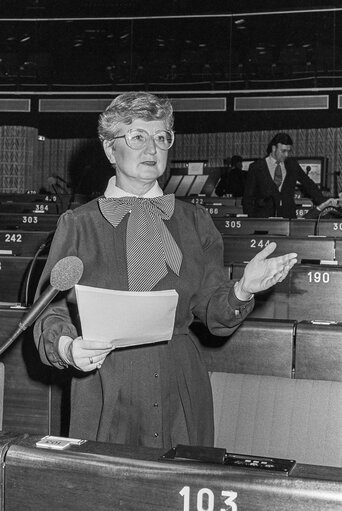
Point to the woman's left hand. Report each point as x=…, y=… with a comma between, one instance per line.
x=262, y=273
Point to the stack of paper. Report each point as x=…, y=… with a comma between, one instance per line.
x=126, y=318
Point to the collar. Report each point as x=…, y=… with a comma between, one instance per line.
x=271, y=161
x=113, y=191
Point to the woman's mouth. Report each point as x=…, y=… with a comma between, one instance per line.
x=149, y=163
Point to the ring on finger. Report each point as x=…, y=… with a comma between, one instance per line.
x=91, y=360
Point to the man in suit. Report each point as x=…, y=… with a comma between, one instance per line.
x=271, y=181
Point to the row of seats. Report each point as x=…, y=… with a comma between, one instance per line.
x=309, y=291
x=277, y=383
x=227, y=206
x=277, y=389
x=279, y=226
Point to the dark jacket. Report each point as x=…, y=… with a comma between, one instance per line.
x=232, y=183
x=262, y=199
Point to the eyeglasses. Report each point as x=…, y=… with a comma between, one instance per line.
x=138, y=138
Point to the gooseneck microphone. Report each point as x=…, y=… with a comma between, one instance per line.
x=64, y=275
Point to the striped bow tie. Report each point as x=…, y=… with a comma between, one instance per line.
x=150, y=245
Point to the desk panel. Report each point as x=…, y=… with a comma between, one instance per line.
x=315, y=293
x=14, y=272
x=22, y=243
x=28, y=222
x=28, y=197
x=243, y=226
x=34, y=394
x=222, y=211
x=309, y=292
x=256, y=347
x=302, y=227
x=319, y=352
x=105, y=476
x=244, y=248
x=330, y=227
x=29, y=207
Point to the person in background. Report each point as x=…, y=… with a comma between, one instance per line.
x=271, y=182
x=134, y=238
x=331, y=208
x=233, y=180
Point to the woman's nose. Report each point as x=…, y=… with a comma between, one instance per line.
x=150, y=145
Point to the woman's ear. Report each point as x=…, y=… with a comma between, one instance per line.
x=109, y=150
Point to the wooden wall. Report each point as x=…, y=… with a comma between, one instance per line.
x=26, y=162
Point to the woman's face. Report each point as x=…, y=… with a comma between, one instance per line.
x=137, y=167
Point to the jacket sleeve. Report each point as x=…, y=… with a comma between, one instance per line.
x=309, y=186
x=216, y=304
x=56, y=319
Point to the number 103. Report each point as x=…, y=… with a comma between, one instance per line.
x=206, y=499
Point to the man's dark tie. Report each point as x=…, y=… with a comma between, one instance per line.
x=150, y=245
x=278, y=176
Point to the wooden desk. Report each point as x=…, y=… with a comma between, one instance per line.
x=219, y=210
x=27, y=197
x=22, y=243
x=244, y=248
x=29, y=207
x=28, y=222
x=102, y=476
x=319, y=352
x=243, y=226
x=302, y=227
x=34, y=394
x=330, y=227
x=315, y=292
x=13, y=278
x=309, y=292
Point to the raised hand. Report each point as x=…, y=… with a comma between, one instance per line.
x=262, y=273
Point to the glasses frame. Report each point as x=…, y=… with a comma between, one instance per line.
x=149, y=135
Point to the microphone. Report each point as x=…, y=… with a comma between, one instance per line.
x=53, y=183
x=56, y=176
x=64, y=275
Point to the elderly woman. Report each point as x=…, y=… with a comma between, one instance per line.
x=137, y=239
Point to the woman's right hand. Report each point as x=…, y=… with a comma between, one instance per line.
x=84, y=355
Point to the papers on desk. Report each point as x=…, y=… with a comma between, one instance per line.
x=125, y=318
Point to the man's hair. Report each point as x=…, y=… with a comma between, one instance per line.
x=279, y=138
x=129, y=106
x=235, y=159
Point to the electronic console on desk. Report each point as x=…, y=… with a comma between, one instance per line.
x=219, y=456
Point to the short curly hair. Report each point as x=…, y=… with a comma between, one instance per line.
x=129, y=106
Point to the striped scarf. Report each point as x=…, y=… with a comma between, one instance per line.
x=149, y=244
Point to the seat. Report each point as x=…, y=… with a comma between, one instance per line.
x=278, y=417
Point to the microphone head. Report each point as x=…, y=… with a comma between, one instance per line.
x=51, y=180
x=66, y=273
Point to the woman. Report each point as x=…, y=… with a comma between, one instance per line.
x=158, y=394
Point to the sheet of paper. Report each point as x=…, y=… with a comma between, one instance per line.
x=195, y=167
x=126, y=318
